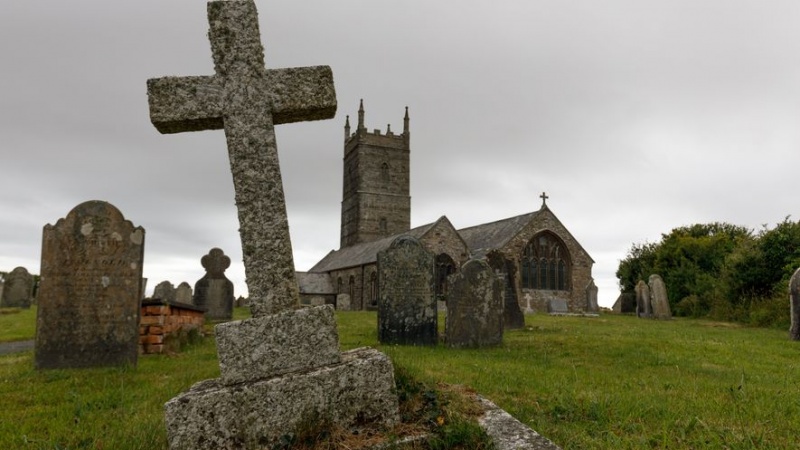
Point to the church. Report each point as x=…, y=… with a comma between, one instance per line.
x=542, y=261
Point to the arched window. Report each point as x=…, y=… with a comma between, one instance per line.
x=545, y=263
x=339, y=286
x=352, y=288
x=444, y=267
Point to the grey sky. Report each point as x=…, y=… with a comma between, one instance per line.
x=635, y=116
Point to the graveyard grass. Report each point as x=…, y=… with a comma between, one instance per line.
x=609, y=382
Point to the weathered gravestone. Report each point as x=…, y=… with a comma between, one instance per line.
x=183, y=293
x=557, y=306
x=658, y=298
x=794, y=304
x=643, y=301
x=90, y=290
x=282, y=367
x=214, y=291
x=18, y=289
x=591, y=298
x=164, y=291
x=513, y=318
x=407, y=312
x=626, y=303
x=475, y=306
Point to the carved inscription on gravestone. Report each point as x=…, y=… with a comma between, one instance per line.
x=475, y=307
x=90, y=289
x=407, y=305
x=18, y=289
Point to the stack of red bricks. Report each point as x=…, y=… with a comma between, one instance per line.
x=161, y=319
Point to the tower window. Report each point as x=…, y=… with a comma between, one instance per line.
x=382, y=225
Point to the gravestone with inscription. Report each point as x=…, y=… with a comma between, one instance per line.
x=282, y=367
x=658, y=298
x=407, y=312
x=214, y=291
x=794, y=305
x=513, y=318
x=183, y=293
x=90, y=290
x=643, y=301
x=18, y=290
x=475, y=306
x=164, y=291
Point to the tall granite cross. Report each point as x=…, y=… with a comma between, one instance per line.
x=247, y=100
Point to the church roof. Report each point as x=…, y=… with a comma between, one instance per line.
x=364, y=253
x=488, y=236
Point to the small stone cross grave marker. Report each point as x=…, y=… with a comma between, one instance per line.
x=247, y=100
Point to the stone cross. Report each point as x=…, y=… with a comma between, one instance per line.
x=544, y=198
x=246, y=100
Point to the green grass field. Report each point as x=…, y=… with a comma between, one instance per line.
x=612, y=382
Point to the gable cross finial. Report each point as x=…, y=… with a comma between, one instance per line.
x=544, y=198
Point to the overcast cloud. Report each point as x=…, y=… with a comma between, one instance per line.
x=634, y=116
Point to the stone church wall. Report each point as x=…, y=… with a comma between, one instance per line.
x=581, y=270
x=443, y=238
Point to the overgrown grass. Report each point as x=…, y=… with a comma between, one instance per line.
x=610, y=382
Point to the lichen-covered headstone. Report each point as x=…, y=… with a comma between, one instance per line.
x=794, y=303
x=407, y=312
x=513, y=318
x=164, y=291
x=643, y=301
x=658, y=298
x=18, y=289
x=90, y=289
x=214, y=291
x=183, y=293
x=474, y=307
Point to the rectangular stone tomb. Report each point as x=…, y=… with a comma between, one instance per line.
x=213, y=415
x=557, y=306
x=267, y=346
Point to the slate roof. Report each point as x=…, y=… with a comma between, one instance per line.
x=364, y=253
x=488, y=236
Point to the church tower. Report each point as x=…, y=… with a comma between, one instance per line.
x=375, y=192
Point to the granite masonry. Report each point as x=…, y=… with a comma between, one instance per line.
x=283, y=366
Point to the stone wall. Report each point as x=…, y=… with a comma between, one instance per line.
x=443, y=238
x=581, y=270
x=161, y=322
